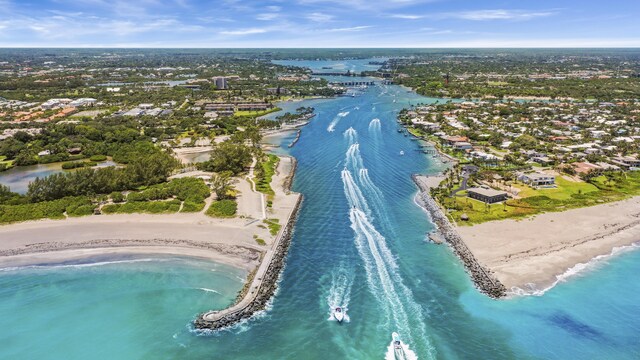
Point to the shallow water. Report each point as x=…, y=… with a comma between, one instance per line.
x=373, y=259
x=19, y=177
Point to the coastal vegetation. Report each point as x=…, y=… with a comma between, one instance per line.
x=14, y=210
x=223, y=208
x=273, y=225
x=264, y=173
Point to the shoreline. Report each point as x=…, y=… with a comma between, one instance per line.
x=58, y=252
x=483, y=278
x=226, y=241
x=531, y=256
x=262, y=283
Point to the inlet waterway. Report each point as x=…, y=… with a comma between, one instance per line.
x=360, y=242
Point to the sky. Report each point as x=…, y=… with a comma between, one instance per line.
x=319, y=23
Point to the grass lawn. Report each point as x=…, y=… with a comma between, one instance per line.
x=415, y=132
x=564, y=190
x=628, y=183
x=255, y=113
x=478, y=212
x=568, y=195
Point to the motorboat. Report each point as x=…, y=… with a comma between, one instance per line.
x=338, y=313
x=398, y=347
x=401, y=152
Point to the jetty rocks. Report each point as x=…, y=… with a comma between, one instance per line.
x=254, y=298
x=482, y=278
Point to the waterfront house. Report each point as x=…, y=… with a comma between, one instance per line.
x=537, y=179
x=462, y=145
x=487, y=195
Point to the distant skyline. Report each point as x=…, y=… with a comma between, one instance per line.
x=318, y=23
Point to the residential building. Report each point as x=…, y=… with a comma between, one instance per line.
x=537, y=179
x=487, y=195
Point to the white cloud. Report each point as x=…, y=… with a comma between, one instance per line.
x=497, y=14
x=320, y=17
x=244, y=31
x=353, y=28
x=407, y=17
x=267, y=16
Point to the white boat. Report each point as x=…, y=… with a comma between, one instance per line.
x=398, y=347
x=338, y=314
x=401, y=152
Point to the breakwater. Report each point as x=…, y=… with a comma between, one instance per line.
x=288, y=181
x=482, y=277
x=262, y=286
x=297, y=138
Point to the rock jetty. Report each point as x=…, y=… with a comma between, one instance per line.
x=260, y=287
x=482, y=277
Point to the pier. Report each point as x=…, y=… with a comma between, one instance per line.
x=482, y=277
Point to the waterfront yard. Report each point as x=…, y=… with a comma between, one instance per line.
x=568, y=195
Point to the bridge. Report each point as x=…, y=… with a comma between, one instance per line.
x=350, y=74
x=353, y=83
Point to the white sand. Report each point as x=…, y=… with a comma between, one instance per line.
x=229, y=241
x=531, y=253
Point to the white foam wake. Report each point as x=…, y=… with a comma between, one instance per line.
x=381, y=269
x=209, y=290
x=409, y=354
x=375, y=125
x=340, y=291
x=351, y=135
x=336, y=120
x=353, y=159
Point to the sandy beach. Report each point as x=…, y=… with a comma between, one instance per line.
x=228, y=241
x=533, y=254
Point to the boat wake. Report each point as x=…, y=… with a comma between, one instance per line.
x=408, y=353
x=340, y=292
x=383, y=278
x=354, y=160
x=336, y=120
x=351, y=135
x=375, y=125
x=209, y=290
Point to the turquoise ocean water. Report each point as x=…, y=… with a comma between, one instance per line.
x=360, y=243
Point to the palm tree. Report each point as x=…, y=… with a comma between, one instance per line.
x=221, y=184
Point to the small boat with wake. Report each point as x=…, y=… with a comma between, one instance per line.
x=401, y=152
x=338, y=313
x=398, y=347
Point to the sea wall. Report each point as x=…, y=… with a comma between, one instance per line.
x=256, y=296
x=481, y=276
